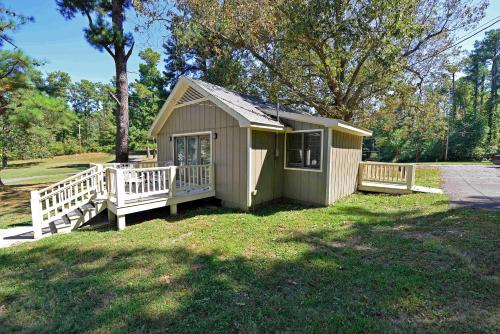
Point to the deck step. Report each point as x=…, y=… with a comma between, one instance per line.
x=87, y=207
x=61, y=225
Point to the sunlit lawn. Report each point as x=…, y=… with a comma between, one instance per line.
x=369, y=263
x=52, y=166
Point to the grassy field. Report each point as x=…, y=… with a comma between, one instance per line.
x=369, y=263
x=52, y=166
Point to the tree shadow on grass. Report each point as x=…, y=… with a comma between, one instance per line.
x=436, y=272
x=17, y=165
x=81, y=166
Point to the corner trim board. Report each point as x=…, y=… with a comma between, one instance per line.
x=249, y=167
x=328, y=165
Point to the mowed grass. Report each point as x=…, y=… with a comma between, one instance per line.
x=369, y=263
x=63, y=164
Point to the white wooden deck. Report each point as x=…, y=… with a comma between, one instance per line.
x=390, y=178
x=121, y=189
x=394, y=188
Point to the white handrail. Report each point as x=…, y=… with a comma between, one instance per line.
x=69, y=179
x=387, y=173
x=51, y=203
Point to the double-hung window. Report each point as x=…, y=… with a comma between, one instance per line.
x=303, y=150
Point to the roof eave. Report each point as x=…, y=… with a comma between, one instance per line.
x=347, y=128
x=327, y=122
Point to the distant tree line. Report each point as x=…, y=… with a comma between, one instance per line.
x=452, y=118
x=50, y=114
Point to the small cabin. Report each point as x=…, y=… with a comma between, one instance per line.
x=259, y=152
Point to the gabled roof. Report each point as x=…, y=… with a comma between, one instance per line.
x=249, y=111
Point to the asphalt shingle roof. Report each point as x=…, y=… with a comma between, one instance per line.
x=247, y=106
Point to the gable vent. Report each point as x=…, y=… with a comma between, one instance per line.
x=190, y=95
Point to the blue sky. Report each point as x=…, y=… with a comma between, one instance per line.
x=61, y=44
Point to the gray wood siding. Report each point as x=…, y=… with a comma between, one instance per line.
x=303, y=185
x=229, y=150
x=267, y=169
x=345, y=158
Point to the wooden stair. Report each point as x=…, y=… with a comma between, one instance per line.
x=76, y=218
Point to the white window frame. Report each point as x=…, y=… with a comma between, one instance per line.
x=209, y=133
x=320, y=170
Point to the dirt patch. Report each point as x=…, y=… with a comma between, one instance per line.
x=167, y=278
x=182, y=237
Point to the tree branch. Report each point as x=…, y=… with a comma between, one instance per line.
x=129, y=53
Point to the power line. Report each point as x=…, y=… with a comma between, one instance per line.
x=459, y=42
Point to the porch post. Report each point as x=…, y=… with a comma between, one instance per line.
x=120, y=222
x=172, y=184
x=410, y=176
x=36, y=214
x=360, y=173
x=120, y=188
x=212, y=177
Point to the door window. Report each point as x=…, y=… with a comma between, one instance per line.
x=192, y=150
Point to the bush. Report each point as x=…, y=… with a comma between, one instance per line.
x=62, y=148
x=56, y=148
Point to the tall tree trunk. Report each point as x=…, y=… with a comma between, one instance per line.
x=120, y=58
x=493, y=99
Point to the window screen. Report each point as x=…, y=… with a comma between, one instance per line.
x=312, y=149
x=294, y=151
x=303, y=150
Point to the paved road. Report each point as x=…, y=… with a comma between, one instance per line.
x=472, y=186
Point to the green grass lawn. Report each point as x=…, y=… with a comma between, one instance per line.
x=369, y=263
x=52, y=166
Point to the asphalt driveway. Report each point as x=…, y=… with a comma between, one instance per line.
x=470, y=186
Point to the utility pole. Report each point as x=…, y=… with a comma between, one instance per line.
x=454, y=106
x=79, y=137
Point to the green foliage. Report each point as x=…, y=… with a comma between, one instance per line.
x=10, y=21
x=58, y=84
x=147, y=96
x=100, y=33
x=95, y=109
x=336, y=58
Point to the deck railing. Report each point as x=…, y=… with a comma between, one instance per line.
x=387, y=173
x=138, y=164
x=127, y=184
x=51, y=203
x=117, y=183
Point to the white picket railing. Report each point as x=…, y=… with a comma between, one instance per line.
x=59, y=199
x=126, y=184
x=387, y=173
x=117, y=183
x=193, y=177
x=139, y=164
